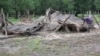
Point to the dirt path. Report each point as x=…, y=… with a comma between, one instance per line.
x=53, y=44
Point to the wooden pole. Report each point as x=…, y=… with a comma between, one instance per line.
x=4, y=21
x=96, y=20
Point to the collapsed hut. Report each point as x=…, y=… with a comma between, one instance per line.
x=55, y=21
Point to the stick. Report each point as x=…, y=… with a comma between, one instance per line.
x=61, y=24
x=96, y=21
x=48, y=19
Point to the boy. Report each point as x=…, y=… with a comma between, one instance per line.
x=89, y=22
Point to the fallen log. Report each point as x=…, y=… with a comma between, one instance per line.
x=58, y=21
x=7, y=37
x=21, y=29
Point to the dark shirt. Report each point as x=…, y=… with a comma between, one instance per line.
x=88, y=20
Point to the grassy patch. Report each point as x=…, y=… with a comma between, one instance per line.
x=36, y=17
x=98, y=17
x=34, y=45
x=13, y=20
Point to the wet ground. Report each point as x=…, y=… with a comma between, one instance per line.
x=53, y=44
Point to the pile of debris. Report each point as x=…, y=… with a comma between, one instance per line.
x=55, y=21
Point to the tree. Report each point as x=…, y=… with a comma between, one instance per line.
x=38, y=7
x=97, y=3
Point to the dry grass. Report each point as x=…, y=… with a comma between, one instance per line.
x=53, y=44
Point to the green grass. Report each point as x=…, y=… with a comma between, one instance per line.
x=13, y=20
x=36, y=17
x=97, y=17
x=34, y=45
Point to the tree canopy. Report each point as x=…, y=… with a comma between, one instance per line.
x=39, y=7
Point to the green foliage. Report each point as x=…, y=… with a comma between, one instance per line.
x=97, y=3
x=39, y=7
x=13, y=20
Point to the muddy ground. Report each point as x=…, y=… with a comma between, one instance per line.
x=53, y=44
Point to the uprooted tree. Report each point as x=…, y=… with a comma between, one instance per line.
x=58, y=22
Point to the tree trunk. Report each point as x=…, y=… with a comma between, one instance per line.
x=4, y=20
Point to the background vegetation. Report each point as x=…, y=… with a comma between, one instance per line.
x=38, y=7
